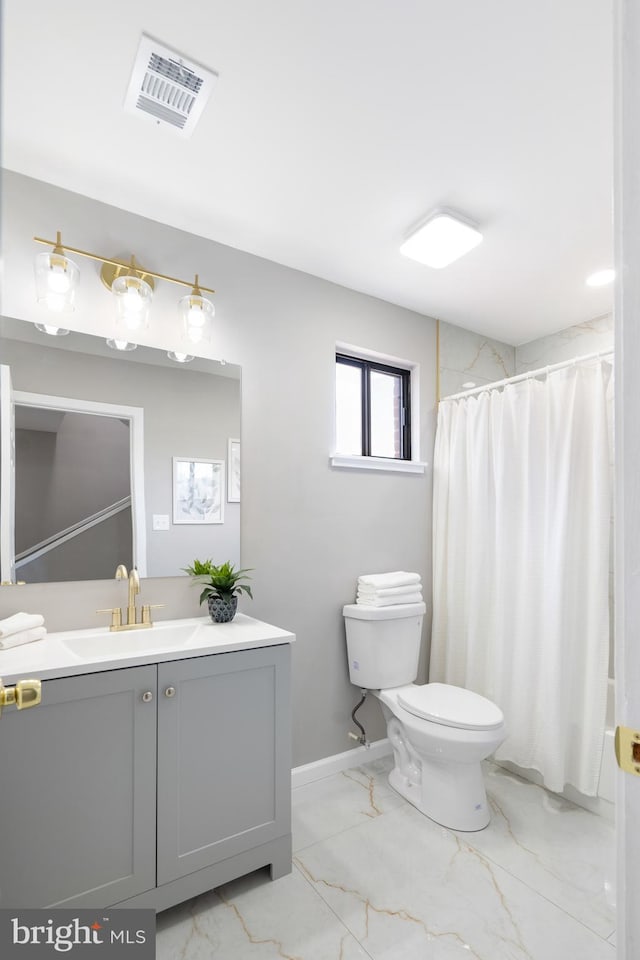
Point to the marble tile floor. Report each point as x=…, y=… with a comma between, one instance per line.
x=373, y=878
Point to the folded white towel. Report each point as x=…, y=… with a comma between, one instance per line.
x=24, y=636
x=18, y=622
x=365, y=591
x=390, y=601
x=399, y=578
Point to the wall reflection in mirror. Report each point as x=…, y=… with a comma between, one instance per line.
x=111, y=458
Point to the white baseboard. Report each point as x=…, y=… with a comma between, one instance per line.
x=308, y=772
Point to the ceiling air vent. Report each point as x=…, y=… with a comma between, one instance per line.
x=168, y=88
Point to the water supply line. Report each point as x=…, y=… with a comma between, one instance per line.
x=362, y=739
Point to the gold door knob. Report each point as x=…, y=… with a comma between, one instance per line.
x=26, y=693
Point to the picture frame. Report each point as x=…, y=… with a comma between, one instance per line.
x=198, y=490
x=233, y=470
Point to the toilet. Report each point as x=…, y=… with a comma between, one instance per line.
x=439, y=733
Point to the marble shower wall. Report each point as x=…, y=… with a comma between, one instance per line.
x=467, y=357
x=593, y=336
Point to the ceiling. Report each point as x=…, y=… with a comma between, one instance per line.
x=334, y=127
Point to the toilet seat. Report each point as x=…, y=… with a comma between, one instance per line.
x=451, y=706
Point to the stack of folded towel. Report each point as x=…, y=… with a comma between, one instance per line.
x=21, y=628
x=388, y=589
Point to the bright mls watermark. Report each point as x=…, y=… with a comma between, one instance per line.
x=80, y=934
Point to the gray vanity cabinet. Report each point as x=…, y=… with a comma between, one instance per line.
x=224, y=773
x=78, y=791
x=148, y=785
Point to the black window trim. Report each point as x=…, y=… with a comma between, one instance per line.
x=366, y=366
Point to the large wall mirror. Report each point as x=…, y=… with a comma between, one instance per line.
x=111, y=457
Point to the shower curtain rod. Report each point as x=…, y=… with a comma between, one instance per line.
x=541, y=371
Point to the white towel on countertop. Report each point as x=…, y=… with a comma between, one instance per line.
x=24, y=636
x=18, y=622
x=390, y=601
x=398, y=578
x=373, y=592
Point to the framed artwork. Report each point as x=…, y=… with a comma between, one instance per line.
x=198, y=490
x=233, y=471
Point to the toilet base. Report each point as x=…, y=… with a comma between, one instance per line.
x=463, y=816
x=451, y=794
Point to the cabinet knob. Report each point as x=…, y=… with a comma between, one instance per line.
x=170, y=692
x=147, y=696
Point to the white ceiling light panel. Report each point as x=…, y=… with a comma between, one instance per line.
x=442, y=238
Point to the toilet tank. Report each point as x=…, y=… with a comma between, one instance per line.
x=383, y=644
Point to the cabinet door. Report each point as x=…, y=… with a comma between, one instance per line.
x=224, y=767
x=77, y=792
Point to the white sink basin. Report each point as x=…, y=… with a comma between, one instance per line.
x=159, y=637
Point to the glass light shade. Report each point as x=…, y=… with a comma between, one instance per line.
x=180, y=357
x=196, y=314
x=133, y=298
x=56, y=281
x=121, y=344
x=51, y=330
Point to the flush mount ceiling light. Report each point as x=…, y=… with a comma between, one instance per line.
x=601, y=278
x=132, y=287
x=442, y=238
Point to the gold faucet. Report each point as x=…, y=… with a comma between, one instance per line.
x=134, y=588
x=132, y=611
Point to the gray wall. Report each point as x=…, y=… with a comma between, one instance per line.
x=307, y=530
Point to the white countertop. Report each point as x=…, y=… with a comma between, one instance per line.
x=62, y=654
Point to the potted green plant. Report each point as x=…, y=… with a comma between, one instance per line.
x=221, y=587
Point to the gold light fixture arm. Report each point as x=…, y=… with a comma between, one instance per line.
x=59, y=247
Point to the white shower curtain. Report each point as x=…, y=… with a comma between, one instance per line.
x=522, y=513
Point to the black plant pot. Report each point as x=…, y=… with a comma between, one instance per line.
x=222, y=609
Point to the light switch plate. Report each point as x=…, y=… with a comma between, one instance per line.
x=160, y=521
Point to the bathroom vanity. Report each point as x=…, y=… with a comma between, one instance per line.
x=156, y=767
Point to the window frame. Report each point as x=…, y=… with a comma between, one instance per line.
x=367, y=365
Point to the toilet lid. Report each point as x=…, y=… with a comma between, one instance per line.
x=451, y=706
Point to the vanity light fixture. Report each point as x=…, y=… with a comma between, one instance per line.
x=132, y=286
x=132, y=289
x=56, y=279
x=440, y=239
x=196, y=313
x=121, y=344
x=180, y=357
x=51, y=330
